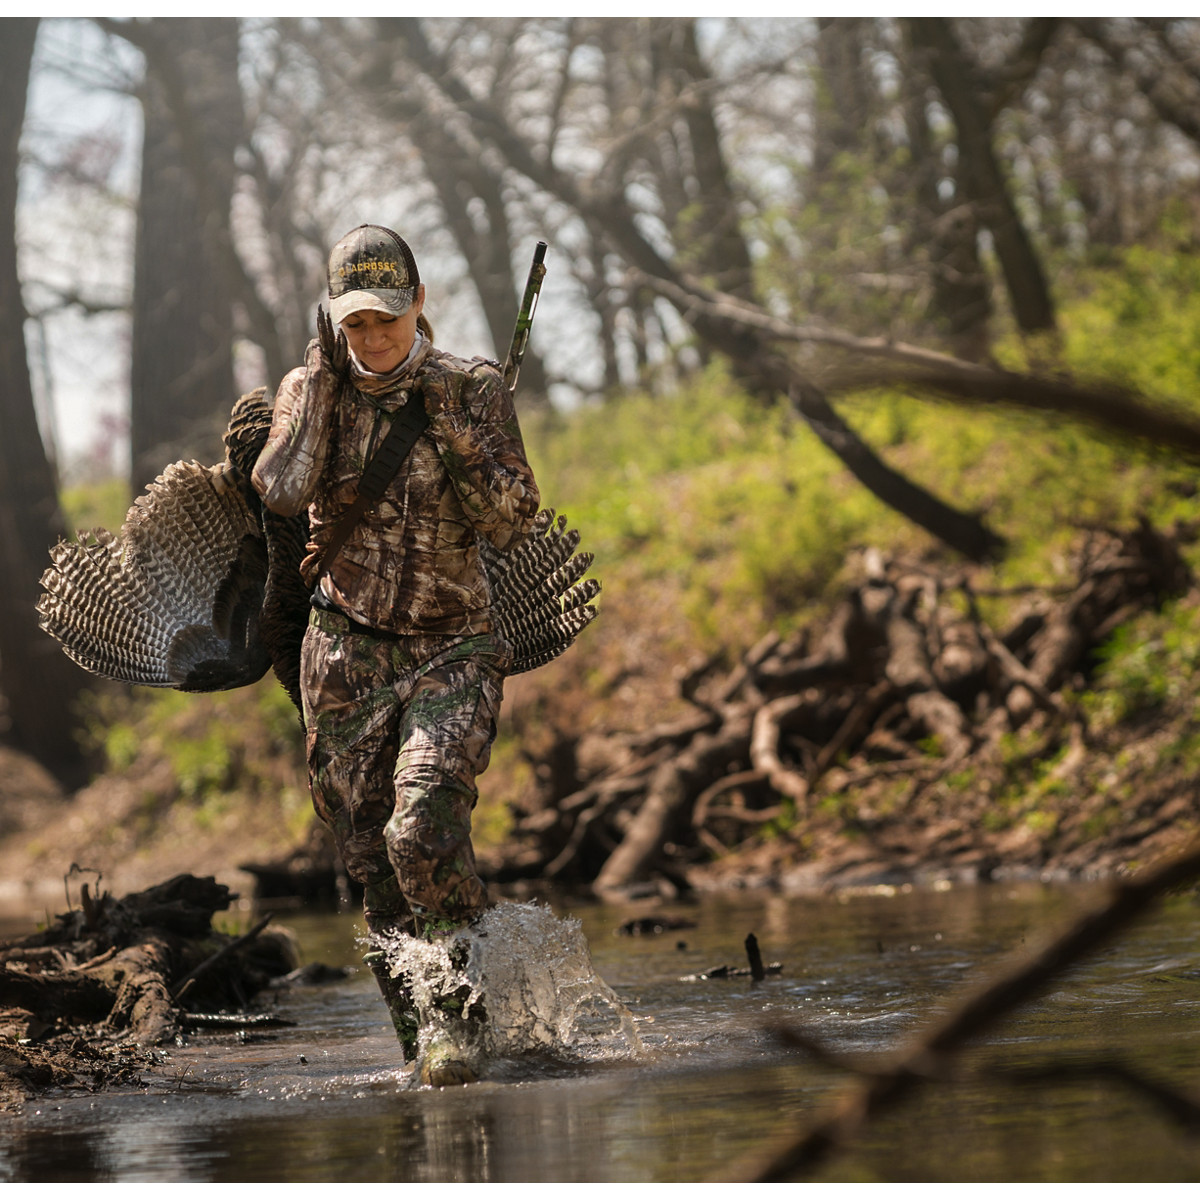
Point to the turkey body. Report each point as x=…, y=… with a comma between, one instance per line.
x=201, y=589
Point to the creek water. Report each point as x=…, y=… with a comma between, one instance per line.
x=326, y=1099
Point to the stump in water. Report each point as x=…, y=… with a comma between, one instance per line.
x=82, y=1000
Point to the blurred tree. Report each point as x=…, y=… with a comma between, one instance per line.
x=704, y=217
x=945, y=227
x=1160, y=55
x=822, y=168
x=468, y=183
x=304, y=167
x=39, y=683
x=196, y=284
x=602, y=202
x=968, y=95
x=890, y=245
x=181, y=382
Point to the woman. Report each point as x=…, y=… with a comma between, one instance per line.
x=401, y=669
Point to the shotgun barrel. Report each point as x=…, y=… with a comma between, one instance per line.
x=520, y=337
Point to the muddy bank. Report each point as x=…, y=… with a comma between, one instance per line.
x=927, y=729
x=910, y=737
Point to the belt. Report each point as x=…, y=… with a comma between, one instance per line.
x=331, y=619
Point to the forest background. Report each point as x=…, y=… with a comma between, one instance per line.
x=820, y=291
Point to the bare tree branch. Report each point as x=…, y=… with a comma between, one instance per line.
x=1113, y=409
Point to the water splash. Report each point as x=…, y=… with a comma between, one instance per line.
x=519, y=982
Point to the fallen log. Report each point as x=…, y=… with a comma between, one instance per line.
x=674, y=784
x=764, y=747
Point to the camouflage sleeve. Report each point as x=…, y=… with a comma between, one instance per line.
x=289, y=468
x=474, y=422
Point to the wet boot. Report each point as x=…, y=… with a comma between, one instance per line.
x=453, y=1046
x=443, y=1065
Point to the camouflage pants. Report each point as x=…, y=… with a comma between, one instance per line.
x=398, y=730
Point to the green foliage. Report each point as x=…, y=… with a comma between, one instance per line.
x=492, y=820
x=734, y=511
x=735, y=501
x=856, y=270
x=202, y=766
x=1044, y=824
x=120, y=742
x=96, y=505
x=1147, y=666
x=741, y=508
x=752, y=518
x=246, y=742
x=1138, y=322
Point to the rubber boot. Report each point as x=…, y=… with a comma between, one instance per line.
x=452, y=1053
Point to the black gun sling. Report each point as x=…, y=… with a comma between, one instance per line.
x=408, y=424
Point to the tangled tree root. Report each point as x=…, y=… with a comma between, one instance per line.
x=905, y=686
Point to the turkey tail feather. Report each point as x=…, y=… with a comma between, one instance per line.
x=172, y=600
x=538, y=602
x=201, y=589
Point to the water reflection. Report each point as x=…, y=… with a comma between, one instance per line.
x=327, y=1100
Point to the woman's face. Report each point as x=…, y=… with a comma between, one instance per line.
x=380, y=341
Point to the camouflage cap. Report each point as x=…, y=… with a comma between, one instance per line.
x=371, y=267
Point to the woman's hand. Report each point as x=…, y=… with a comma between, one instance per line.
x=335, y=353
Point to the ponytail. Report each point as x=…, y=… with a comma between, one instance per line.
x=424, y=326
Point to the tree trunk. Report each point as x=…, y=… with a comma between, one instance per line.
x=39, y=682
x=181, y=381
x=961, y=301
x=712, y=230
x=459, y=177
x=981, y=171
x=595, y=282
x=842, y=105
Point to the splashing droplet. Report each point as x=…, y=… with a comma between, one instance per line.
x=518, y=981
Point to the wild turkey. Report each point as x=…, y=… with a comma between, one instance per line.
x=201, y=590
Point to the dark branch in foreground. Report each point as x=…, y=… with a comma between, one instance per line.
x=1179, y=1107
x=929, y=1054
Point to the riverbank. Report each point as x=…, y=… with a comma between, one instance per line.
x=1127, y=800
x=918, y=730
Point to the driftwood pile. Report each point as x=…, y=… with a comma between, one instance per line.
x=907, y=681
x=82, y=1000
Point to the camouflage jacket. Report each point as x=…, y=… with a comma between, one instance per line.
x=412, y=564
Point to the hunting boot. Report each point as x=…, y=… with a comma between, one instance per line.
x=453, y=1045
